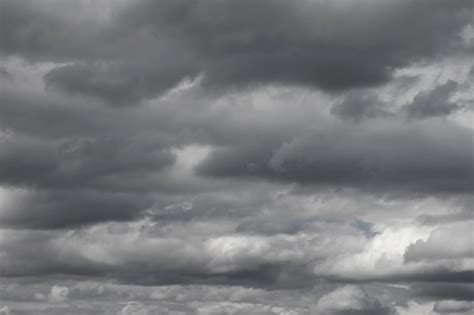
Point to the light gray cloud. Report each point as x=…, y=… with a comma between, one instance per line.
x=350, y=300
x=453, y=307
x=443, y=243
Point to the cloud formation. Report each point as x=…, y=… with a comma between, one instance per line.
x=375, y=156
x=350, y=300
x=449, y=307
x=238, y=43
x=236, y=157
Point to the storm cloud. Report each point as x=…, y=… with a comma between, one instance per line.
x=333, y=46
x=236, y=157
x=413, y=157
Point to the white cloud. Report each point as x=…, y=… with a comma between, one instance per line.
x=58, y=294
x=414, y=308
x=382, y=255
x=5, y=310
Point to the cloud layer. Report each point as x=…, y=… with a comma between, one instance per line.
x=236, y=157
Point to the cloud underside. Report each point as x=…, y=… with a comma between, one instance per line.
x=236, y=157
x=234, y=43
x=412, y=158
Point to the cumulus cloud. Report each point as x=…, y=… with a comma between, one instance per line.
x=443, y=243
x=58, y=294
x=56, y=209
x=453, y=307
x=350, y=300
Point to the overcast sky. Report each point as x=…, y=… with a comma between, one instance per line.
x=237, y=157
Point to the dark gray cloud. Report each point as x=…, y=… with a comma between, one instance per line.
x=119, y=84
x=410, y=157
x=444, y=291
x=236, y=43
x=433, y=103
x=77, y=181
x=51, y=30
x=359, y=105
x=4, y=73
x=54, y=209
x=255, y=156
x=249, y=42
x=77, y=162
x=362, y=105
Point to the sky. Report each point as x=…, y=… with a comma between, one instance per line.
x=237, y=157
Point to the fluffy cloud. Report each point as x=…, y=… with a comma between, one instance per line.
x=58, y=294
x=443, y=243
x=350, y=300
x=453, y=307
